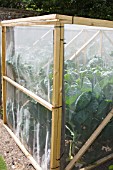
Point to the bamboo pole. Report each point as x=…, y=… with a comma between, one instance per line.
x=90, y=140
x=85, y=45
x=4, y=73
x=21, y=146
x=57, y=96
x=99, y=162
x=29, y=93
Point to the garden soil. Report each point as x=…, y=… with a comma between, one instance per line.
x=13, y=156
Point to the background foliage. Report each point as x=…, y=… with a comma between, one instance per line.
x=94, y=8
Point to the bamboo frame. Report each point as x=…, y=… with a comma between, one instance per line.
x=99, y=162
x=90, y=140
x=57, y=96
x=29, y=93
x=4, y=72
x=56, y=107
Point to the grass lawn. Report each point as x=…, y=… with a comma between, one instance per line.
x=2, y=164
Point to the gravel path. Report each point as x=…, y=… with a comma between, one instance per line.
x=13, y=156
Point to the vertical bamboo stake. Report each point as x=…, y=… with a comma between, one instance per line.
x=4, y=73
x=57, y=96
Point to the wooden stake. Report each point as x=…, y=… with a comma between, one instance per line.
x=57, y=96
x=21, y=146
x=99, y=162
x=90, y=140
x=4, y=73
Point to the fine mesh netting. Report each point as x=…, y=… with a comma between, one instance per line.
x=29, y=58
x=31, y=123
x=88, y=84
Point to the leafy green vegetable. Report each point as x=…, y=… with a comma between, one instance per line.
x=82, y=101
x=88, y=98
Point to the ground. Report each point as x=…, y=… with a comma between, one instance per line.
x=13, y=156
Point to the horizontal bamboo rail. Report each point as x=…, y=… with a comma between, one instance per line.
x=90, y=140
x=99, y=162
x=29, y=93
x=21, y=146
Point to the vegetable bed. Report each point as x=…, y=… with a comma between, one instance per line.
x=88, y=99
